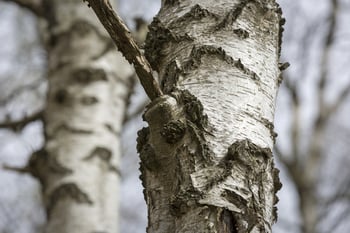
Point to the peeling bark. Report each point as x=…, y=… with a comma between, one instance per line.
x=206, y=157
x=88, y=90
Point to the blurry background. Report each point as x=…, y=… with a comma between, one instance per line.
x=312, y=119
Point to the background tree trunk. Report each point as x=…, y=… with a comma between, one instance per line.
x=207, y=162
x=88, y=89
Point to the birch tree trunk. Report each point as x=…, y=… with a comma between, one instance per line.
x=88, y=89
x=206, y=157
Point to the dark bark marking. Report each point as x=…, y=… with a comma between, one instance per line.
x=179, y=203
x=105, y=155
x=171, y=2
x=196, y=13
x=88, y=75
x=198, y=52
x=232, y=15
x=277, y=186
x=282, y=21
x=61, y=96
x=268, y=124
x=83, y=28
x=40, y=163
x=242, y=150
x=67, y=191
x=173, y=131
x=89, y=100
x=171, y=77
x=71, y=129
x=157, y=36
x=56, y=167
x=241, y=33
x=283, y=66
x=227, y=222
x=149, y=159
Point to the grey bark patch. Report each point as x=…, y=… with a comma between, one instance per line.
x=228, y=222
x=268, y=124
x=89, y=100
x=158, y=36
x=82, y=27
x=149, y=159
x=282, y=21
x=67, y=191
x=88, y=75
x=173, y=131
x=142, y=138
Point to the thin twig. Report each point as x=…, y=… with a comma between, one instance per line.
x=30, y=87
x=340, y=100
x=295, y=134
x=22, y=170
x=121, y=36
x=325, y=60
x=20, y=124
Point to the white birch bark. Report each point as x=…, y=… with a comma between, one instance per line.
x=88, y=89
x=206, y=157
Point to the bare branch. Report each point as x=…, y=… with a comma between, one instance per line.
x=340, y=100
x=22, y=170
x=136, y=112
x=30, y=87
x=325, y=60
x=292, y=89
x=35, y=6
x=20, y=124
x=126, y=44
x=341, y=217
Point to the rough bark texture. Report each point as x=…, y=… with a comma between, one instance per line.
x=206, y=157
x=88, y=89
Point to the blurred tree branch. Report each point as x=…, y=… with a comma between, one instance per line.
x=18, y=125
x=30, y=87
x=35, y=6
